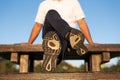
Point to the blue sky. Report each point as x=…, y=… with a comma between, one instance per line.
x=17, y=19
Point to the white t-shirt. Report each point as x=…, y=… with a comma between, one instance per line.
x=69, y=10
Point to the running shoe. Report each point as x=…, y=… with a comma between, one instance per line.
x=77, y=42
x=52, y=48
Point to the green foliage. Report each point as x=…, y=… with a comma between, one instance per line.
x=82, y=67
x=7, y=67
x=113, y=67
x=65, y=67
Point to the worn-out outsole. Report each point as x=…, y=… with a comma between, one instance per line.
x=52, y=48
x=76, y=41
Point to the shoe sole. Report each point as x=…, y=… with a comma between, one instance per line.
x=76, y=41
x=52, y=48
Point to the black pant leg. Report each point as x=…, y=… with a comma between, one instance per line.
x=53, y=22
x=46, y=28
x=57, y=23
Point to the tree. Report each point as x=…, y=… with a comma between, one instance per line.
x=6, y=66
x=63, y=67
x=113, y=67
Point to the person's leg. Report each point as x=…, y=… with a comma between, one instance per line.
x=53, y=22
x=63, y=49
x=47, y=27
x=59, y=25
x=75, y=37
x=51, y=46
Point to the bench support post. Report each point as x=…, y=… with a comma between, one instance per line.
x=95, y=62
x=24, y=63
x=14, y=57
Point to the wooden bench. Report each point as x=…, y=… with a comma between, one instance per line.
x=25, y=55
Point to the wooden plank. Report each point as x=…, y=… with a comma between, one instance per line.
x=24, y=63
x=21, y=48
x=38, y=48
x=104, y=47
x=62, y=76
x=14, y=57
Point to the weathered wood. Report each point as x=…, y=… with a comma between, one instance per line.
x=21, y=48
x=24, y=63
x=62, y=76
x=95, y=62
x=104, y=47
x=14, y=57
x=105, y=57
x=38, y=48
x=96, y=55
x=114, y=49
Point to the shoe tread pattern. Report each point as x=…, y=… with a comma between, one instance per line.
x=52, y=48
x=77, y=42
